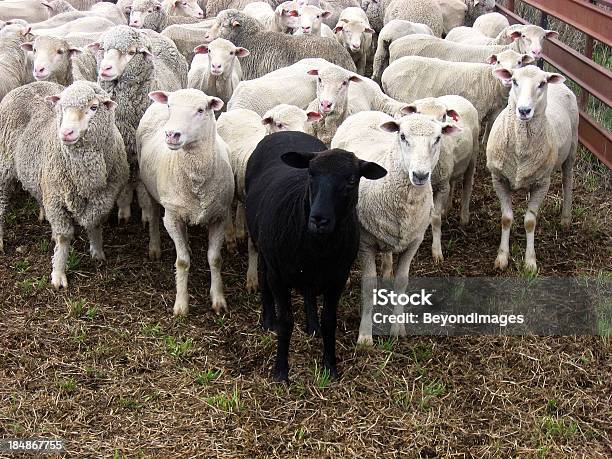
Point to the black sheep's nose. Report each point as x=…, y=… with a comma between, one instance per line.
x=319, y=221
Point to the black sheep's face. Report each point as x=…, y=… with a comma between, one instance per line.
x=333, y=185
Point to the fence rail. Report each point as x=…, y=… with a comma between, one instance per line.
x=595, y=22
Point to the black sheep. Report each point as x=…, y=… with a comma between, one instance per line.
x=301, y=214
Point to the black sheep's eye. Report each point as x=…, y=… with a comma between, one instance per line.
x=352, y=181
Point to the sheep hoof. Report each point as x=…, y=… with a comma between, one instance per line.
x=501, y=262
x=398, y=330
x=219, y=305
x=181, y=308
x=268, y=324
x=252, y=284
x=59, y=280
x=464, y=220
x=154, y=253
x=231, y=245
x=313, y=330
x=437, y=256
x=365, y=340
x=333, y=372
x=97, y=254
x=530, y=266
x=281, y=376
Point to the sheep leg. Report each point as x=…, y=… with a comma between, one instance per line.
x=240, y=222
x=536, y=196
x=312, y=317
x=568, y=185
x=230, y=233
x=367, y=257
x=154, y=238
x=505, y=199
x=124, y=201
x=268, y=312
x=440, y=198
x=62, y=233
x=252, y=282
x=215, y=243
x=96, y=244
x=176, y=230
x=328, y=329
x=381, y=60
x=145, y=203
x=401, y=282
x=466, y=191
x=6, y=189
x=448, y=205
x=386, y=267
x=284, y=327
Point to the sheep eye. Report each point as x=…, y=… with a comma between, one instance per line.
x=131, y=53
x=231, y=53
x=344, y=83
x=93, y=108
x=318, y=16
x=319, y=79
x=403, y=137
x=149, y=11
x=514, y=82
x=542, y=84
x=200, y=111
x=60, y=51
x=279, y=125
x=437, y=139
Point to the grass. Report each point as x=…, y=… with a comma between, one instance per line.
x=74, y=260
x=32, y=285
x=205, y=377
x=75, y=306
x=224, y=402
x=322, y=377
x=21, y=266
x=558, y=428
x=178, y=348
x=67, y=385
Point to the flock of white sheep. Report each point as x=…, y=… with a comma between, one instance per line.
x=101, y=102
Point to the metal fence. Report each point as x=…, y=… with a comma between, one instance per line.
x=594, y=19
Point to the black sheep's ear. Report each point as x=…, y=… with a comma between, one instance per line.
x=371, y=170
x=297, y=160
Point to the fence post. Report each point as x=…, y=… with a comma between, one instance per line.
x=544, y=25
x=511, y=5
x=588, y=52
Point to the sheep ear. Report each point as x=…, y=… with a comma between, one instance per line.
x=201, y=49
x=26, y=30
x=293, y=13
x=326, y=14
x=313, y=116
x=72, y=52
x=555, y=78
x=369, y=30
x=515, y=35
x=552, y=34
x=297, y=160
x=492, y=59
x=408, y=109
x=503, y=74
x=527, y=59
x=390, y=126
x=146, y=53
x=371, y=170
x=235, y=23
x=159, y=96
x=109, y=104
x=52, y=100
x=450, y=129
x=355, y=79
x=267, y=120
x=214, y=103
x=27, y=46
x=127, y=9
x=94, y=47
x=242, y=52
x=313, y=72
x=453, y=114
x=338, y=28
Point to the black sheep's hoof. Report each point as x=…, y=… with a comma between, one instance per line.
x=313, y=330
x=268, y=325
x=281, y=376
x=333, y=372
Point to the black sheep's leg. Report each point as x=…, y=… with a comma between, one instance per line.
x=268, y=313
x=284, y=327
x=312, y=316
x=328, y=328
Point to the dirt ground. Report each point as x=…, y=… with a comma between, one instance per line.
x=106, y=367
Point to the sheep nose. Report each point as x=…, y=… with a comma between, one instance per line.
x=420, y=178
x=306, y=29
x=173, y=137
x=326, y=105
x=66, y=133
x=536, y=52
x=216, y=66
x=107, y=67
x=319, y=222
x=524, y=111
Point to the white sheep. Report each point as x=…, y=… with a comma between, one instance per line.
x=184, y=166
x=311, y=22
x=535, y=134
x=453, y=13
x=15, y=64
x=395, y=211
x=353, y=31
x=150, y=14
x=32, y=10
x=52, y=59
x=392, y=31
x=407, y=79
x=283, y=19
x=215, y=69
x=491, y=24
x=527, y=39
x=86, y=24
x=62, y=146
x=242, y=129
x=189, y=8
x=457, y=161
